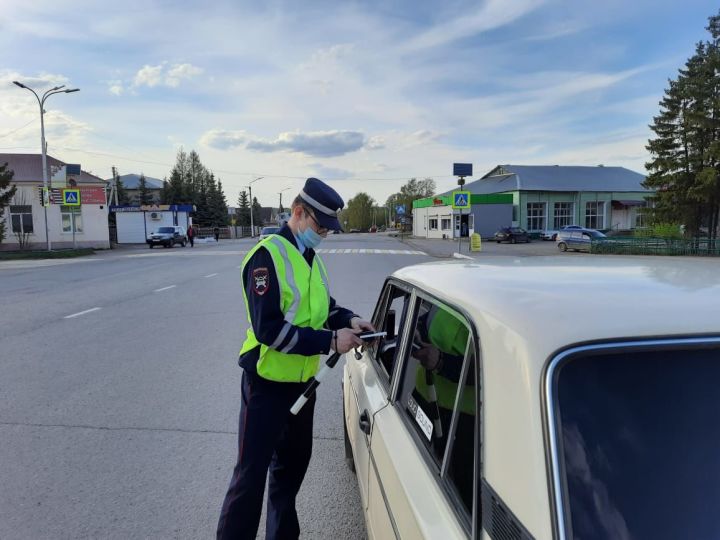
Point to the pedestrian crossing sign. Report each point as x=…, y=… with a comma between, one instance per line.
x=71, y=197
x=461, y=200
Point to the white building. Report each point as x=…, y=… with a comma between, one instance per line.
x=81, y=226
x=135, y=223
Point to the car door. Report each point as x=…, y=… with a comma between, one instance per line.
x=423, y=449
x=369, y=378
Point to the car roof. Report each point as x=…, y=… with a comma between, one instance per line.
x=581, y=297
x=527, y=309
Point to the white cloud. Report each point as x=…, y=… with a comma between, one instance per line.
x=490, y=15
x=181, y=71
x=317, y=143
x=116, y=88
x=149, y=76
x=223, y=139
x=165, y=75
x=375, y=142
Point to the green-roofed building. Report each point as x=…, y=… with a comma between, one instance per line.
x=538, y=198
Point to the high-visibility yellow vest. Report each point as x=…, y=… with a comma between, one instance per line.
x=450, y=336
x=304, y=300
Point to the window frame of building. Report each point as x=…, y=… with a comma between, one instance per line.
x=446, y=223
x=433, y=223
x=641, y=217
x=73, y=215
x=595, y=215
x=536, y=214
x=21, y=219
x=563, y=214
x=441, y=469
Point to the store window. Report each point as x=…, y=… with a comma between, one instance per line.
x=433, y=223
x=563, y=215
x=446, y=223
x=536, y=216
x=595, y=215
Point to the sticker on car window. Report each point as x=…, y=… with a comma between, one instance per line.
x=421, y=419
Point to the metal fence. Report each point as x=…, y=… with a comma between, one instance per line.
x=619, y=245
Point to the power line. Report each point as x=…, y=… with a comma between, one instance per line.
x=16, y=130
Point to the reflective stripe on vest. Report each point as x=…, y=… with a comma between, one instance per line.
x=450, y=336
x=304, y=301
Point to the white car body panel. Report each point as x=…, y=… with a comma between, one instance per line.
x=525, y=310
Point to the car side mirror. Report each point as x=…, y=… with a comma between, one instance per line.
x=390, y=324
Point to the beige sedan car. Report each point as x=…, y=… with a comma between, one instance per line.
x=540, y=398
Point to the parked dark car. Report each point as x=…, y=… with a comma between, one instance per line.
x=167, y=237
x=578, y=239
x=267, y=231
x=512, y=235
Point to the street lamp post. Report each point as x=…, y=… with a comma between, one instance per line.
x=43, y=146
x=280, y=208
x=249, y=186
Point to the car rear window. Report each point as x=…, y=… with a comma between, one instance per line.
x=166, y=230
x=639, y=444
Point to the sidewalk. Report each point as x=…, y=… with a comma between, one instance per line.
x=440, y=248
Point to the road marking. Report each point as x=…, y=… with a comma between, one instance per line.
x=369, y=251
x=211, y=275
x=165, y=288
x=81, y=313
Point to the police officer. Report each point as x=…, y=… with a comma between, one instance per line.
x=293, y=320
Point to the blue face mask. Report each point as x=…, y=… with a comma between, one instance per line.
x=309, y=238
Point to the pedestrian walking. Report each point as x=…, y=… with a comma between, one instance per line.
x=191, y=235
x=293, y=320
x=216, y=232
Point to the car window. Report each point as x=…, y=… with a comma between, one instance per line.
x=639, y=443
x=462, y=455
x=432, y=372
x=389, y=317
x=166, y=229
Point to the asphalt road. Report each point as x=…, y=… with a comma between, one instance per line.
x=119, y=391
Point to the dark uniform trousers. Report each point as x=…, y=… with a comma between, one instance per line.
x=269, y=437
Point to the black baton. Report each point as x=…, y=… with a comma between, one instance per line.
x=314, y=382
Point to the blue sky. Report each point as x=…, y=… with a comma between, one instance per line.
x=362, y=94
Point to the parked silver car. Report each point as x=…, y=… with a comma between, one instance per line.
x=551, y=234
x=577, y=239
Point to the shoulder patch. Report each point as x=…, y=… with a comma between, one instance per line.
x=261, y=280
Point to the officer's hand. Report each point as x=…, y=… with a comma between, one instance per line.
x=346, y=339
x=429, y=357
x=356, y=323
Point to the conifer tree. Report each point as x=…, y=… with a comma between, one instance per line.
x=7, y=193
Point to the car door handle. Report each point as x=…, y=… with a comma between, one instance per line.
x=365, y=422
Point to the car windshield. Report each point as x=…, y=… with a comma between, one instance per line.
x=270, y=230
x=166, y=230
x=640, y=444
x=517, y=230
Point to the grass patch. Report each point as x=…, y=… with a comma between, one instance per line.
x=55, y=254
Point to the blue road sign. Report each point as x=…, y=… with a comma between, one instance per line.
x=461, y=199
x=71, y=197
x=400, y=209
x=462, y=169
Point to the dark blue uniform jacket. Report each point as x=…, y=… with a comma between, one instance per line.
x=267, y=319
